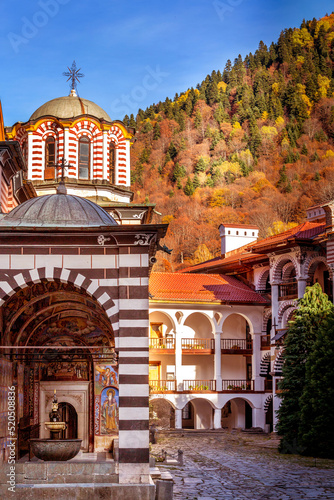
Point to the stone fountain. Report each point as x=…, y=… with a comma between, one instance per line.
x=55, y=449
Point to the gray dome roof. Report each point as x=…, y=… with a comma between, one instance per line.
x=69, y=107
x=58, y=210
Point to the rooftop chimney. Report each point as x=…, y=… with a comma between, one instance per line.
x=234, y=236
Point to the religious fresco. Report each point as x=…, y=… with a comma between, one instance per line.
x=106, y=399
x=109, y=410
x=64, y=370
x=105, y=375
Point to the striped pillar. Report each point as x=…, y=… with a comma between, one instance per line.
x=133, y=346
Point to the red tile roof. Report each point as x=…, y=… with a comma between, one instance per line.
x=201, y=288
x=306, y=230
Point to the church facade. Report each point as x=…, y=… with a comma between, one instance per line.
x=74, y=288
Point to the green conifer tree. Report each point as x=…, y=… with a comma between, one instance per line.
x=189, y=188
x=316, y=430
x=313, y=310
x=196, y=182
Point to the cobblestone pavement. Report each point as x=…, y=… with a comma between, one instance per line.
x=238, y=466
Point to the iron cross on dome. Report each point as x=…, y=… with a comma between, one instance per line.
x=64, y=164
x=74, y=75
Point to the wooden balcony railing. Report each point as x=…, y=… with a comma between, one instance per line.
x=268, y=385
x=288, y=290
x=237, y=385
x=199, y=385
x=236, y=345
x=162, y=343
x=161, y=386
x=201, y=346
x=265, y=341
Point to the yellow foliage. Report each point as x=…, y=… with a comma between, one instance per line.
x=330, y=37
x=324, y=84
x=167, y=219
x=275, y=87
x=300, y=60
x=268, y=132
x=303, y=38
x=265, y=115
x=285, y=143
x=246, y=156
x=236, y=126
x=307, y=102
x=201, y=254
x=222, y=86
x=329, y=154
x=300, y=88
x=279, y=227
x=324, y=23
x=279, y=122
x=260, y=185
x=229, y=166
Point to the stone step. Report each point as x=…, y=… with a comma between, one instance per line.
x=66, y=472
x=86, y=491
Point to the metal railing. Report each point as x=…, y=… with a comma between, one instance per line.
x=237, y=385
x=198, y=344
x=199, y=385
x=236, y=344
x=162, y=343
x=161, y=386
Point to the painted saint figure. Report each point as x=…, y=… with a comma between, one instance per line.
x=109, y=409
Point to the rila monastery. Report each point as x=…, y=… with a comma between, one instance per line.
x=167, y=250
x=78, y=299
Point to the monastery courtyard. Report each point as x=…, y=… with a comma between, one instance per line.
x=240, y=466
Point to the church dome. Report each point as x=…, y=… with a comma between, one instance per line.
x=58, y=210
x=69, y=107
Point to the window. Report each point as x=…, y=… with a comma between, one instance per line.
x=50, y=158
x=84, y=157
x=253, y=234
x=228, y=232
x=237, y=233
x=112, y=163
x=245, y=233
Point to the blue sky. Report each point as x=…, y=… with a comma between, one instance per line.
x=132, y=53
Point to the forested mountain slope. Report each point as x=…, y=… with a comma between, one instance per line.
x=251, y=144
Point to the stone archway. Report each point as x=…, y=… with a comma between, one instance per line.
x=63, y=340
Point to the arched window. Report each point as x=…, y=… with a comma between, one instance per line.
x=84, y=157
x=112, y=163
x=50, y=158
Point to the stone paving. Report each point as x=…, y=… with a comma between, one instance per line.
x=239, y=466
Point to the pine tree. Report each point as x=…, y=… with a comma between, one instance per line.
x=189, y=188
x=156, y=133
x=312, y=312
x=304, y=150
x=316, y=430
x=126, y=120
x=200, y=165
x=196, y=182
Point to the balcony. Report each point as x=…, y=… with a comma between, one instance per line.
x=198, y=346
x=199, y=385
x=265, y=342
x=162, y=386
x=165, y=345
x=236, y=346
x=288, y=290
x=237, y=385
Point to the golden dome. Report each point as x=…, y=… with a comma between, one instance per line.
x=70, y=107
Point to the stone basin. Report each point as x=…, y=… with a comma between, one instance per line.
x=55, y=450
x=55, y=426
